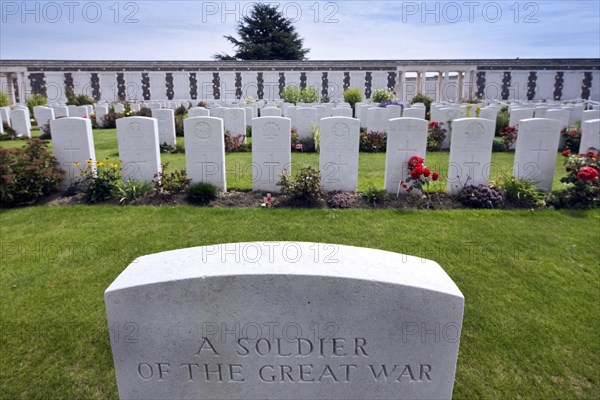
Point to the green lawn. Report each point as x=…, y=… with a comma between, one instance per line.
x=530, y=280
x=370, y=171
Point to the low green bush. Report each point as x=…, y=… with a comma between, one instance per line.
x=304, y=188
x=521, y=193
x=352, y=96
x=131, y=190
x=375, y=196
x=202, y=193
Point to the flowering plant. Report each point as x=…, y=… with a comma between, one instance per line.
x=509, y=135
x=582, y=184
x=98, y=181
x=436, y=135
x=572, y=137
x=386, y=103
x=419, y=176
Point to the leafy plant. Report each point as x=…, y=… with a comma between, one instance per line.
x=381, y=95
x=309, y=95
x=316, y=137
x=109, y=121
x=305, y=188
x=172, y=149
x=99, y=181
x=521, y=192
x=340, y=199
x=421, y=98
x=248, y=130
x=572, y=137
x=582, y=188
x=131, y=190
x=144, y=112
x=4, y=99
x=27, y=174
x=235, y=143
x=498, y=145
x=290, y=94
x=167, y=183
x=481, y=196
x=35, y=99
x=78, y=100
x=202, y=193
x=45, y=131
x=373, y=142
x=502, y=120
x=436, y=135
x=419, y=175
x=179, y=125
x=181, y=110
x=352, y=96
x=375, y=196
x=509, y=136
x=9, y=132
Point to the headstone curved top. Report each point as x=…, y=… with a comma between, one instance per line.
x=238, y=320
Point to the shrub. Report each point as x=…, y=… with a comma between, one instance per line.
x=9, y=132
x=202, y=193
x=373, y=142
x=353, y=96
x=582, y=186
x=375, y=196
x=481, y=196
x=294, y=138
x=35, y=99
x=249, y=130
x=99, y=182
x=502, y=120
x=290, y=94
x=128, y=191
x=340, y=199
x=498, y=145
x=308, y=145
x=109, y=121
x=46, y=133
x=305, y=188
x=79, y=100
x=421, y=98
x=572, y=137
x=325, y=99
x=309, y=95
x=509, y=136
x=436, y=135
x=144, y=112
x=235, y=143
x=172, y=149
x=27, y=174
x=521, y=193
x=202, y=104
x=167, y=183
x=179, y=125
x=181, y=110
x=381, y=95
x=4, y=99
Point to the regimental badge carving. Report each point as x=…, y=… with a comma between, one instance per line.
x=135, y=129
x=340, y=132
x=475, y=130
x=270, y=131
x=202, y=130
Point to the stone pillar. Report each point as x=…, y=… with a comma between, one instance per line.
x=445, y=84
x=400, y=89
x=439, y=87
x=471, y=84
x=419, y=81
x=460, y=88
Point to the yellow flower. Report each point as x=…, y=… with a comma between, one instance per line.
x=100, y=164
x=113, y=165
x=76, y=164
x=89, y=161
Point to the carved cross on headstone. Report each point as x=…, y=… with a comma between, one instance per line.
x=71, y=150
x=539, y=152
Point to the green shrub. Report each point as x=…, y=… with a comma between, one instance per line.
x=421, y=98
x=35, y=99
x=352, y=96
x=582, y=187
x=109, y=121
x=167, y=183
x=202, y=193
x=144, y=112
x=381, y=95
x=99, y=183
x=375, y=196
x=27, y=174
x=131, y=190
x=303, y=189
x=181, y=110
x=309, y=95
x=4, y=99
x=502, y=120
x=436, y=135
x=9, y=132
x=172, y=149
x=179, y=125
x=373, y=142
x=521, y=193
x=481, y=196
x=291, y=94
x=79, y=100
x=572, y=137
x=498, y=145
x=249, y=130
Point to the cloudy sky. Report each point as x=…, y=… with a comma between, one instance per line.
x=334, y=30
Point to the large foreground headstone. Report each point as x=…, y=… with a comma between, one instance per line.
x=73, y=145
x=205, y=150
x=470, y=153
x=283, y=320
x=271, y=151
x=138, y=148
x=536, y=149
x=338, y=158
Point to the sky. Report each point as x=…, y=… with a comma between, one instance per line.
x=332, y=30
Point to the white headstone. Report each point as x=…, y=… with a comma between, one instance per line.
x=407, y=137
x=73, y=145
x=237, y=321
x=43, y=115
x=362, y=113
x=166, y=125
x=470, y=153
x=270, y=112
x=101, y=111
x=5, y=113
x=205, y=151
x=271, y=152
x=342, y=112
x=536, y=149
x=414, y=112
x=322, y=112
x=560, y=115
x=135, y=107
x=217, y=112
x=19, y=121
x=395, y=111
x=198, y=112
x=305, y=121
x=517, y=115
x=249, y=115
x=338, y=159
x=540, y=111
x=377, y=119
x=235, y=121
x=72, y=110
x=139, y=150
x=80, y=111
x=489, y=113
x=119, y=108
x=590, y=114
x=590, y=136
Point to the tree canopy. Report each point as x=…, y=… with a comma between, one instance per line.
x=265, y=34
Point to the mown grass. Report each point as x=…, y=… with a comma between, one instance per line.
x=371, y=168
x=530, y=280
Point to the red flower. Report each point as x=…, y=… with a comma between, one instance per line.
x=435, y=176
x=587, y=174
x=416, y=172
x=415, y=161
x=408, y=190
x=426, y=172
x=566, y=153
x=592, y=155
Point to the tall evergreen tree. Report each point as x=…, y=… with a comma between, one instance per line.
x=265, y=34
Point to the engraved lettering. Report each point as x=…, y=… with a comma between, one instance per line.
x=209, y=346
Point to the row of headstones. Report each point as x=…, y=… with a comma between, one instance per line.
x=470, y=152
